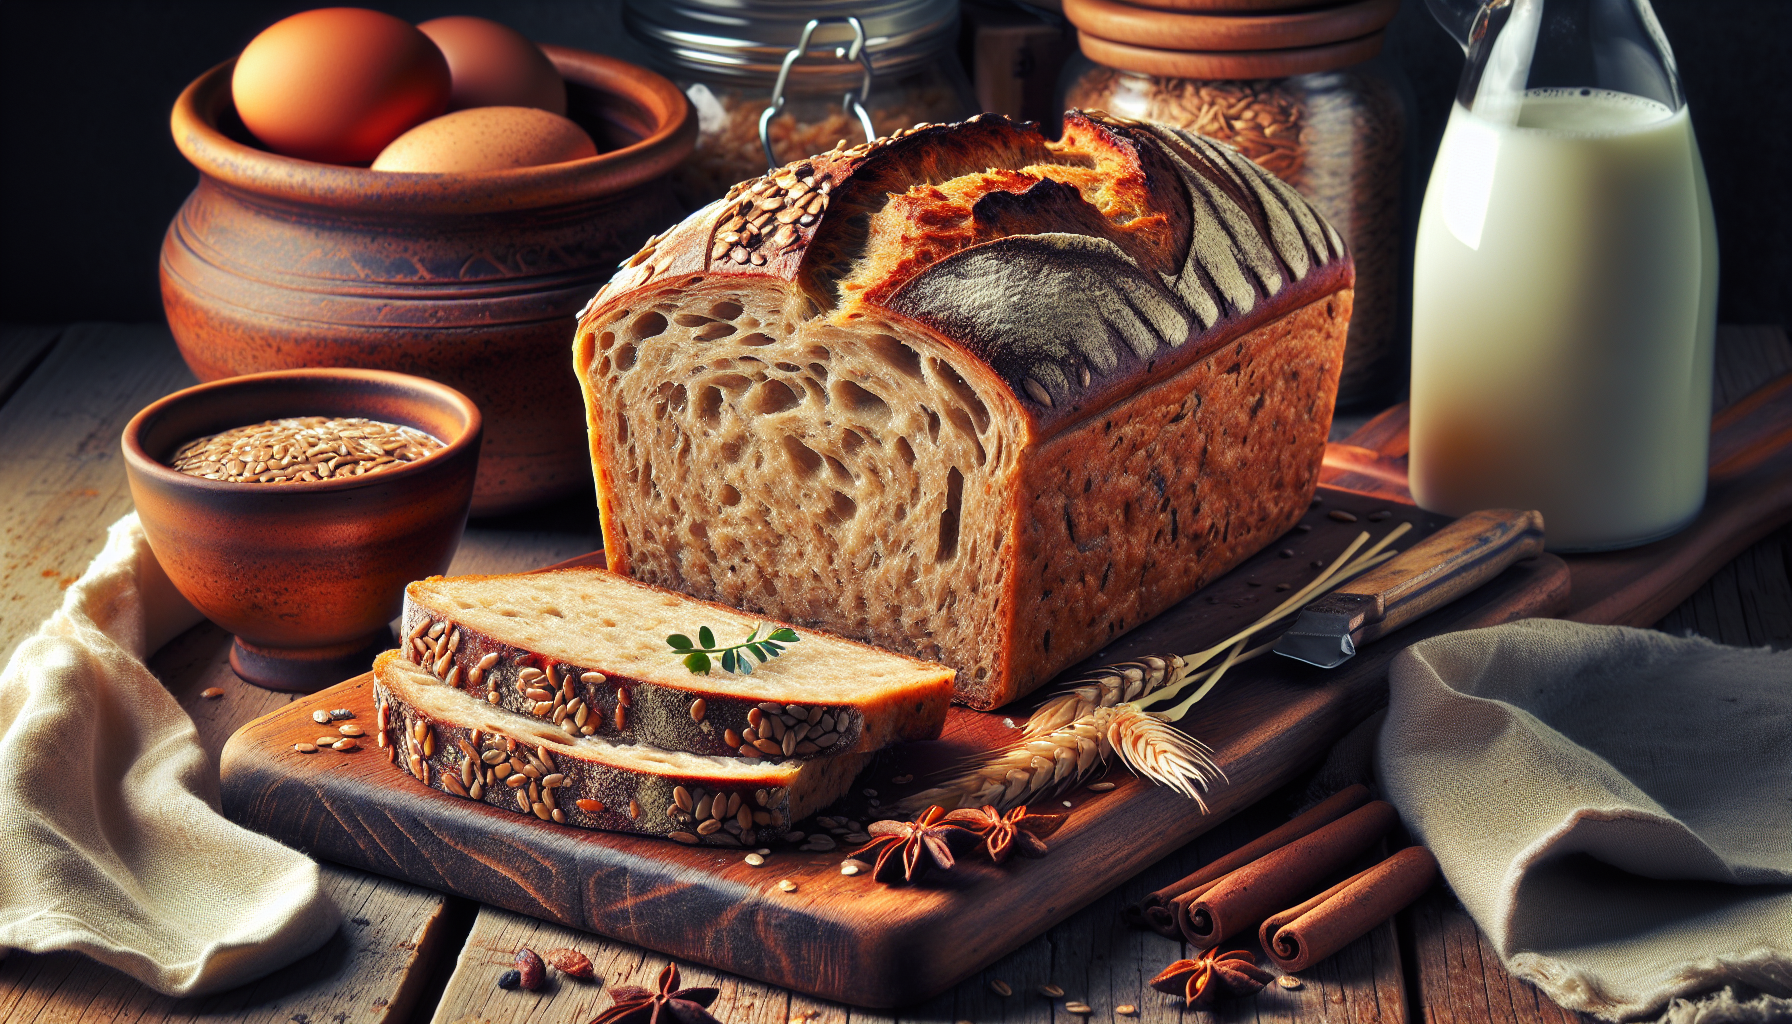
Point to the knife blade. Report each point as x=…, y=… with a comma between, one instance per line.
x=1432, y=573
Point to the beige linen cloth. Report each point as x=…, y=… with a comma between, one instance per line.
x=1614, y=808
x=111, y=843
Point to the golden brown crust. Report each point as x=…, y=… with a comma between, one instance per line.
x=1118, y=529
x=1209, y=244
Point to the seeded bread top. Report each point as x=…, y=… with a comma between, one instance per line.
x=1079, y=270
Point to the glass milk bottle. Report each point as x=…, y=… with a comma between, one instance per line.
x=1565, y=279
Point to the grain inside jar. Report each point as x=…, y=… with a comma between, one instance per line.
x=303, y=449
x=1317, y=111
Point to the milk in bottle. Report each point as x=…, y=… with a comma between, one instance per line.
x=1563, y=310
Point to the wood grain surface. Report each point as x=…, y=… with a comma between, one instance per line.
x=847, y=938
x=61, y=485
x=1095, y=958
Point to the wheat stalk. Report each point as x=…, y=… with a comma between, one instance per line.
x=1028, y=771
x=1162, y=753
x=1074, y=733
x=1105, y=687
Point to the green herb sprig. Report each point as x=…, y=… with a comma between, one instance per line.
x=736, y=657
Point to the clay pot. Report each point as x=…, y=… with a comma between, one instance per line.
x=307, y=575
x=473, y=280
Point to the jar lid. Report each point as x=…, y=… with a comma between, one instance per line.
x=1228, y=6
x=1229, y=38
x=1163, y=30
x=1216, y=65
x=747, y=39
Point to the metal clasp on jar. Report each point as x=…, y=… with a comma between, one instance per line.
x=854, y=100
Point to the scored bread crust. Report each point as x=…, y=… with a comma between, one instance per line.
x=967, y=393
x=456, y=743
x=591, y=684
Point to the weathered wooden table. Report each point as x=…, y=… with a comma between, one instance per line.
x=409, y=954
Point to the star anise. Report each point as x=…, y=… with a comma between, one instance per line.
x=1215, y=974
x=1006, y=834
x=670, y=1005
x=906, y=850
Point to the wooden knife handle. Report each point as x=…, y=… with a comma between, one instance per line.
x=1444, y=566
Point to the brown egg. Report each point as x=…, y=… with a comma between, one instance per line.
x=338, y=83
x=494, y=65
x=486, y=139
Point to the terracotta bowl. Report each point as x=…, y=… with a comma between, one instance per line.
x=473, y=280
x=307, y=575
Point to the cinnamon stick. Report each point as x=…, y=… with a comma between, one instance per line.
x=1303, y=935
x=1245, y=897
x=1156, y=910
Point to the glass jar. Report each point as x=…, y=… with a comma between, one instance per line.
x=1340, y=138
x=728, y=56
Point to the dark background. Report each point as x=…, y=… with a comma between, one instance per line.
x=91, y=176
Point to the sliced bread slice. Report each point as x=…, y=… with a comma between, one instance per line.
x=585, y=650
x=452, y=741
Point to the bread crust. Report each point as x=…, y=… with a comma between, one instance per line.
x=570, y=783
x=1274, y=252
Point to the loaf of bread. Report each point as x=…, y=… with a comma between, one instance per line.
x=451, y=740
x=585, y=650
x=968, y=393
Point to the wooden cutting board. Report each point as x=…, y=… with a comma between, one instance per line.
x=849, y=939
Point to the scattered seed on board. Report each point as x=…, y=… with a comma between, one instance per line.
x=755, y=859
x=1378, y=515
x=1341, y=516
x=531, y=972
x=1100, y=787
x=851, y=867
x=321, y=717
x=510, y=979
x=341, y=714
x=351, y=730
x=326, y=741
x=1126, y=1010
x=346, y=743
x=211, y=692
x=787, y=885
x=570, y=962
x=1051, y=991
x=305, y=748
x=1000, y=987
x=1068, y=804
x=1080, y=1009
x=1288, y=981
